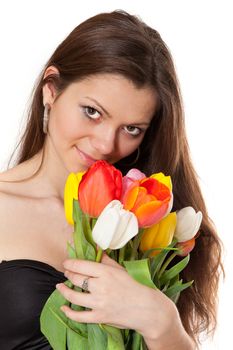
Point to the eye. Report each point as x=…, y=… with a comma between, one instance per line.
x=133, y=130
x=91, y=112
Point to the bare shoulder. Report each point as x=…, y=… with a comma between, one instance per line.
x=14, y=199
x=30, y=227
x=11, y=179
x=10, y=202
x=6, y=191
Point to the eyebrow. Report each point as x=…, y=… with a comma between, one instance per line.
x=108, y=114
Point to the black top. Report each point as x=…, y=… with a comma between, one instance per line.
x=25, y=285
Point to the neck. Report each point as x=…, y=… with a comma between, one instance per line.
x=50, y=180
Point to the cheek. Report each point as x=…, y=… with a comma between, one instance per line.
x=65, y=125
x=128, y=146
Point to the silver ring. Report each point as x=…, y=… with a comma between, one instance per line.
x=85, y=284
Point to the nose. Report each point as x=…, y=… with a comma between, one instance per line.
x=104, y=142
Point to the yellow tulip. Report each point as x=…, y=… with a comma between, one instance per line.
x=70, y=193
x=159, y=235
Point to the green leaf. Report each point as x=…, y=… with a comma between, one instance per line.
x=139, y=270
x=136, y=242
x=127, y=251
x=115, y=339
x=174, y=270
x=97, y=338
x=175, y=280
x=75, y=341
x=143, y=345
x=53, y=321
x=84, y=249
x=79, y=327
x=77, y=211
x=88, y=230
x=147, y=253
x=157, y=261
x=56, y=326
x=177, y=288
x=137, y=341
x=71, y=251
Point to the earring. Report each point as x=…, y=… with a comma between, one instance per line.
x=135, y=160
x=46, y=118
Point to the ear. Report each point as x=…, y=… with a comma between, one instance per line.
x=49, y=91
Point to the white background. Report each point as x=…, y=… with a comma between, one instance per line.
x=199, y=35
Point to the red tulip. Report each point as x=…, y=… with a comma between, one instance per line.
x=101, y=184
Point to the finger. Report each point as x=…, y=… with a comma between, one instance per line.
x=78, y=279
x=80, y=316
x=109, y=261
x=85, y=267
x=75, y=297
x=87, y=317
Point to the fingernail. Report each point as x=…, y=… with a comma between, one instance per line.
x=62, y=309
x=58, y=286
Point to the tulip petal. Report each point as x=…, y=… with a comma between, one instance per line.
x=148, y=237
x=188, y=224
x=135, y=174
x=127, y=230
x=158, y=189
x=142, y=198
x=105, y=228
x=70, y=193
x=150, y=213
x=100, y=185
x=115, y=226
x=159, y=235
x=131, y=196
x=185, y=247
x=166, y=180
x=166, y=230
x=131, y=176
x=199, y=217
x=79, y=177
x=122, y=226
x=170, y=205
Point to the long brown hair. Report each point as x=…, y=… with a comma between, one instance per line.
x=120, y=43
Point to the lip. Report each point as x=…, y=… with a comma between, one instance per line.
x=88, y=160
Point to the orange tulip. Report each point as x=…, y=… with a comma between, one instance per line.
x=150, y=199
x=185, y=247
x=101, y=184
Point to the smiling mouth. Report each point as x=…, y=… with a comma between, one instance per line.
x=88, y=160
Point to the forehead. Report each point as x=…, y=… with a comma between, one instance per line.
x=117, y=94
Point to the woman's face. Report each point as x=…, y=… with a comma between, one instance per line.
x=101, y=117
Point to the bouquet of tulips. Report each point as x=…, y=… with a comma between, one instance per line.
x=130, y=218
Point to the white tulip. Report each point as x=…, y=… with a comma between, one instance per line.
x=115, y=226
x=188, y=224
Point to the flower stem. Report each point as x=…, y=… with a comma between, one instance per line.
x=136, y=242
x=167, y=262
x=137, y=338
x=122, y=254
x=99, y=255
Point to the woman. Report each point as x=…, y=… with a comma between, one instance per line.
x=109, y=92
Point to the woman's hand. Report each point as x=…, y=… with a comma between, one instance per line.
x=116, y=299
x=114, y=296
